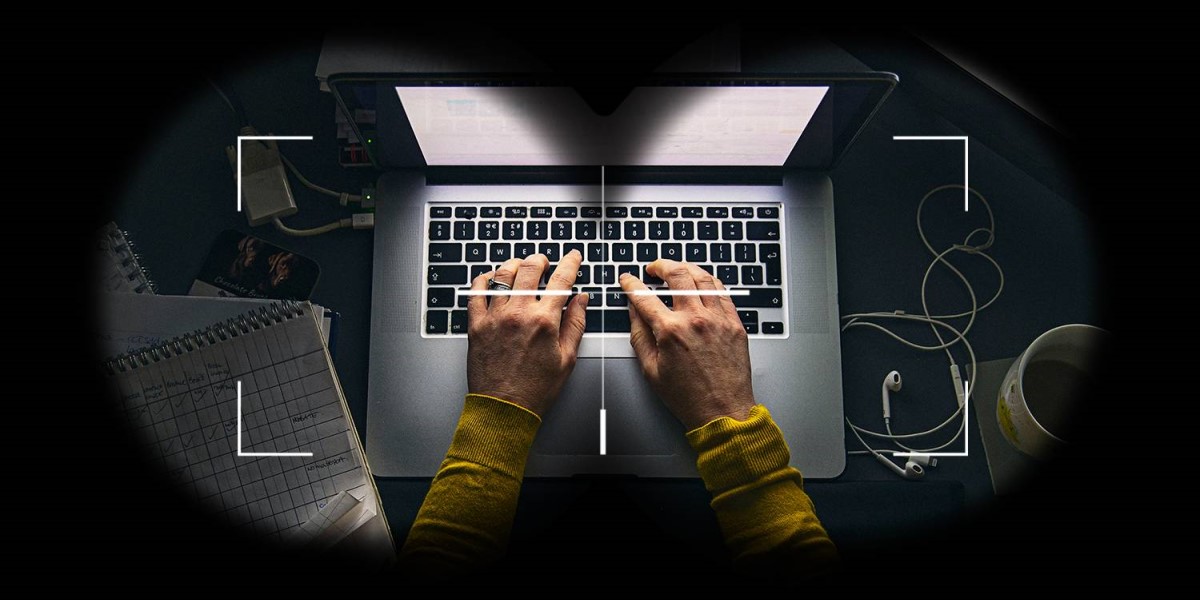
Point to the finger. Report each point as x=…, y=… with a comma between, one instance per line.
x=725, y=301
x=678, y=278
x=650, y=308
x=562, y=279
x=574, y=321
x=477, y=305
x=529, y=275
x=705, y=281
x=642, y=340
x=506, y=274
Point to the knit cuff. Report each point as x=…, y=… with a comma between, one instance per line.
x=734, y=453
x=494, y=433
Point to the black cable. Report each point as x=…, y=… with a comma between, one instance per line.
x=231, y=101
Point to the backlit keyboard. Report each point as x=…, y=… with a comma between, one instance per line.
x=741, y=244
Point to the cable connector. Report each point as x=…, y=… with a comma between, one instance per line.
x=959, y=392
x=266, y=194
x=364, y=220
x=924, y=460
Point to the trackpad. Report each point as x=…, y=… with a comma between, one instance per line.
x=637, y=421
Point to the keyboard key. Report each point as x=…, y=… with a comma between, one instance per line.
x=515, y=212
x=774, y=327
x=450, y=253
x=447, y=275
x=560, y=230
x=684, y=230
x=522, y=250
x=651, y=280
x=435, y=321
x=727, y=274
x=550, y=250
x=501, y=252
x=595, y=296
x=567, y=248
x=477, y=270
x=731, y=230
x=743, y=212
x=615, y=296
x=768, y=212
x=708, y=269
x=760, y=298
x=634, y=270
x=597, y=253
x=762, y=230
x=666, y=212
x=585, y=230
x=635, y=230
x=547, y=272
x=463, y=299
x=660, y=230
x=583, y=276
x=647, y=252
x=439, y=230
x=458, y=321
x=770, y=255
x=617, y=212
x=491, y=212
x=693, y=212
x=720, y=252
x=622, y=252
x=541, y=212
x=707, y=230
x=515, y=230
x=696, y=253
x=752, y=275
x=566, y=212
x=439, y=212
x=612, y=231
x=464, y=230
x=477, y=253
x=608, y=321
x=590, y=212
x=672, y=251
x=718, y=212
x=537, y=230
x=751, y=327
x=641, y=212
x=465, y=212
x=604, y=275
x=439, y=297
x=743, y=253
x=489, y=230
x=748, y=316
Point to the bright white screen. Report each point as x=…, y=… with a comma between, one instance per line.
x=655, y=126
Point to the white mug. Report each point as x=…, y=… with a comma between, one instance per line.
x=1044, y=384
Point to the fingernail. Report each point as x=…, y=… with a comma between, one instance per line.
x=623, y=276
x=577, y=252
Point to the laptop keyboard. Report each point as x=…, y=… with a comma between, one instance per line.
x=741, y=244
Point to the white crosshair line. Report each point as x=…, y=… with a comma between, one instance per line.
x=239, y=433
x=241, y=138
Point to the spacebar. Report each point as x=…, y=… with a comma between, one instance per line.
x=614, y=321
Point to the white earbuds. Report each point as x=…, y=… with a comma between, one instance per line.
x=891, y=383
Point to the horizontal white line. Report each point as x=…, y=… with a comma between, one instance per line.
x=515, y=292
x=274, y=137
x=691, y=292
x=275, y=453
x=935, y=454
x=961, y=138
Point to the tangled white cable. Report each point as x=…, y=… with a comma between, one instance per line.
x=937, y=323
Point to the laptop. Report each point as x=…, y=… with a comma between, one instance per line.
x=730, y=172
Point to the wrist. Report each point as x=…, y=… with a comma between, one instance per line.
x=711, y=409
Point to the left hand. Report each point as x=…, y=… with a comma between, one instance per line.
x=521, y=349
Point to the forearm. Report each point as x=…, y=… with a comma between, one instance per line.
x=467, y=515
x=763, y=511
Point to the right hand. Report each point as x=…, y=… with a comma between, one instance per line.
x=697, y=356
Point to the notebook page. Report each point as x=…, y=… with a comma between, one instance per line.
x=184, y=410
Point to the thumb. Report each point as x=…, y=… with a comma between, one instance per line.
x=644, y=345
x=573, y=323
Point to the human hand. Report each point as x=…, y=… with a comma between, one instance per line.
x=697, y=356
x=521, y=349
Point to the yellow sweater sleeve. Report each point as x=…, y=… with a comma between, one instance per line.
x=465, y=521
x=768, y=521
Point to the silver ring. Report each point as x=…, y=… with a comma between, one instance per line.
x=498, y=285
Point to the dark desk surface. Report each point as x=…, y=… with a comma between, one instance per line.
x=181, y=198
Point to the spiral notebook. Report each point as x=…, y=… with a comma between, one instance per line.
x=247, y=417
x=117, y=266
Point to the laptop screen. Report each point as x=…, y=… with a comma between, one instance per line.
x=654, y=126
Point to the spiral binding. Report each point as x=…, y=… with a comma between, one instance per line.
x=130, y=260
x=240, y=325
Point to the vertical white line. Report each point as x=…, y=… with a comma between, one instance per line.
x=239, y=182
x=966, y=176
x=603, y=432
x=600, y=234
x=239, y=417
x=966, y=418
